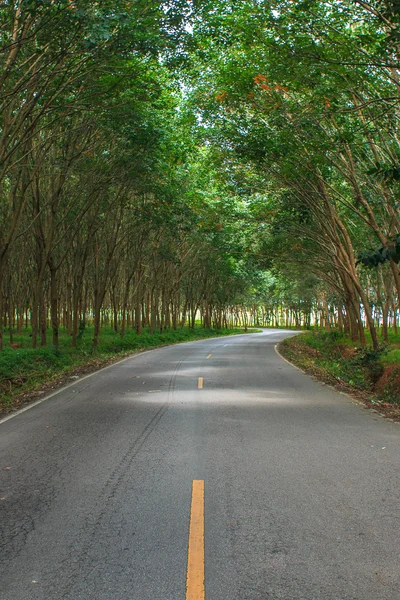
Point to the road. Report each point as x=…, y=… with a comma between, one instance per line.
x=301, y=484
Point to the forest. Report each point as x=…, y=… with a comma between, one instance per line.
x=230, y=162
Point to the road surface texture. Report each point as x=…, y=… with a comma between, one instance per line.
x=301, y=484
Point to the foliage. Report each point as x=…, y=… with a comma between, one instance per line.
x=373, y=258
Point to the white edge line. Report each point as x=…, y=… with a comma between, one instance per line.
x=65, y=387
x=288, y=361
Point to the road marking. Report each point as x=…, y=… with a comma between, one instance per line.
x=209, y=356
x=226, y=345
x=195, y=565
x=286, y=360
x=200, y=383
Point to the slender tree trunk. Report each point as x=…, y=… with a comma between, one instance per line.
x=20, y=319
x=36, y=312
x=124, y=307
x=96, y=323
x=54, y=305
x=69, y=309
x=138, y=305
x=98, y=303
x=1, y=309
x=42, y=317
x=10, y=312
x=153, y=311
x=394, y=308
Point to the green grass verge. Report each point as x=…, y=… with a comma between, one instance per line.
x=24, y=370
x=333, y=357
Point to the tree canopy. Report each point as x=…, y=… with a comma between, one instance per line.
x=161, y=161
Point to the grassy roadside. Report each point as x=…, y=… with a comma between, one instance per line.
x=28, y=374
x=371, y=376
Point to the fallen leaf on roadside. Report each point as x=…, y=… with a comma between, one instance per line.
x=379, y=579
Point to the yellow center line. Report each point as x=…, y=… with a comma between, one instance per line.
x=200, y=383
x=209, y=356
x=195, y=565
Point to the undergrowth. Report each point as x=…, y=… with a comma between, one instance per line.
x=333, y=356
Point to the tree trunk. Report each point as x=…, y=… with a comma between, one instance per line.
x=54, y=305
x=394, y=307
x=10, y=318
x=37, y=307
x=153, y=311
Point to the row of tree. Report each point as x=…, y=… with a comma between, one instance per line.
x=92, y=185
x=235, y=160
x=301, y=102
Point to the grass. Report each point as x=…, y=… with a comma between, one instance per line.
x=392, y=357
x=333, y=357
x=25, y=370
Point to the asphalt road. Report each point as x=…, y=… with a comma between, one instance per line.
x=301, y=484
